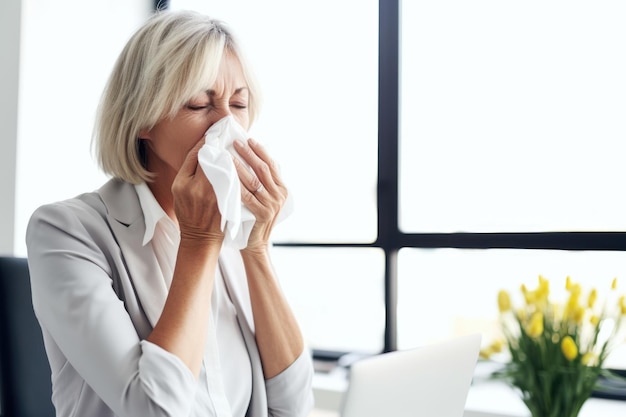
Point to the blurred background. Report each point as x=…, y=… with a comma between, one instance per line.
x=436, y=151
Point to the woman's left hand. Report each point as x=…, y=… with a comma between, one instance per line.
x=262, y=191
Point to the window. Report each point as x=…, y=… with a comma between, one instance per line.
x=318, y=71
x=66, y=51
x=435, y=149
x=512, y=116
x=511, y=125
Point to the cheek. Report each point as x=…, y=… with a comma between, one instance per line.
x=174, y=149
x=177, y=158
x=180, y=150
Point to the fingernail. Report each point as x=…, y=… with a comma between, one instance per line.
x=239, y=143
x=252, y=141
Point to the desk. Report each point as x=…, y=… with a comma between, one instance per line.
x=486, y=398
x=495, y=399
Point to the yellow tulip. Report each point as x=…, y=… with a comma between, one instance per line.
x=569, y=348
x=572, y=302
x=575, y=289
x=504, y=301
x=535, y=327
x=614, y=284
x=529, y=296
x=622, y=304
x=497, y=345
x=568, y=283
x=578, y=314
x=543, y=290
x=494, y=347
x=485, y=353
x=595, y=320
x=593, y=296
x=589, y=359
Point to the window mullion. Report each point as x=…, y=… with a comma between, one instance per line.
x=387, y=192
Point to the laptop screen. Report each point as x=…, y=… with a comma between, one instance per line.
x=427, y=381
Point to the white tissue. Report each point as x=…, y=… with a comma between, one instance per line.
x=216, y=161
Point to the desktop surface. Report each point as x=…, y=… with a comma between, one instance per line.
x=486, y=398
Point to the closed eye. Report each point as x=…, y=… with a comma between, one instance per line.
x=196, y=108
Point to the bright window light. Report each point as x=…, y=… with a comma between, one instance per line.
x=512, y=116
x=317, y=63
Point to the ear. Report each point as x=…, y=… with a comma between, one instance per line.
x=145, y=134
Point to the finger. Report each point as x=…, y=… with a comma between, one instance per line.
x=251, y=183
x=261, y=152
x=260, y=167
x=190, y=164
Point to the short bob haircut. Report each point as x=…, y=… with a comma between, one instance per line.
x=174, y=56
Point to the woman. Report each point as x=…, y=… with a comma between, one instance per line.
x=144, y=311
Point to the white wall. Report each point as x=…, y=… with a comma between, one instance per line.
x=66, y=51
x=9, y=51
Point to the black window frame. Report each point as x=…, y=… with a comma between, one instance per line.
x=390, y=238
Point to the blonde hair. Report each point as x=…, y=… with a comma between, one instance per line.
x=172, y=57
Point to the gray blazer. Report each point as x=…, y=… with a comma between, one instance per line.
x=93, y=293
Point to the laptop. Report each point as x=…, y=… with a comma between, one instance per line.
x=428, y=381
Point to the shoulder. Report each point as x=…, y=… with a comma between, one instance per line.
x=86, y=207
x=63, y=213
x=81, y=217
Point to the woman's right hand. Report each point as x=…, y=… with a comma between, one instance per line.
x=183, y=325
x=195, y=203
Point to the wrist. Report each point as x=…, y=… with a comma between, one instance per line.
x=258, y=252
x=197, y=241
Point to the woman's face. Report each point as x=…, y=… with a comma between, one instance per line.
x=169, y=141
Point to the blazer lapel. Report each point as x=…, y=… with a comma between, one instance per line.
x=128, y=225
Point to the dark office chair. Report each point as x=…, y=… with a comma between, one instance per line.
x=25, y=387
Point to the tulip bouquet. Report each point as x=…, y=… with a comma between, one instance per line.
x=556, y=351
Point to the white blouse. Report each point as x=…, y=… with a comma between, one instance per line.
x=225, y=383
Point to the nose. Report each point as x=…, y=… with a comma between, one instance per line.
x=221, y=115
x=220, y=112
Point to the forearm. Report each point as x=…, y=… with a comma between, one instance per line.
x=182, y=327
x=278, y=335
